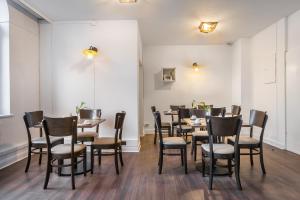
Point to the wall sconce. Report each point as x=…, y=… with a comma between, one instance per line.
x=196, y=67
x=91, y=52
x=207, y=27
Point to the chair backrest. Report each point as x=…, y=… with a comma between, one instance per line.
x=157, y=118
x=217, y=111
x=176, y=107
x=119, y=121
x=199, y=113
x=258, y=119
x=153, y=109
x=224, y=126
x=60, y=127
x=33, y=118
x=90, y=113
x=235, y=110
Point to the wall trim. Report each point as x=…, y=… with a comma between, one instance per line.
x=12, y=155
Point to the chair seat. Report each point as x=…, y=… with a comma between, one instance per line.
x=185, y=128
x=245, y=140
x=63, y=149
x=174, y=141
x=200, y=133
x=83, y=135
x=165, y=124
x=105, y=141
x=219, y=148
x=42, y=140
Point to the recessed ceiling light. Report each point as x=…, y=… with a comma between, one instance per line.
x=207, y=27
x=127, y=1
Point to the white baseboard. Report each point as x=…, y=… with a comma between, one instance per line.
x=13, y=154
x=274, y=143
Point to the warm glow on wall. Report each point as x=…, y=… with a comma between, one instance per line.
x=91, y=52
x=195, y=67
x=207, y=27
x=127, y=1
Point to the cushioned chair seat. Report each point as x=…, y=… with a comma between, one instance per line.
x=105, y=141
x=245, y=140
x=174, y=141
x=200, y=133
x=66, y=149
x=86, y=135
x=165, y=124
x=42, y=140
x=219, y=148
x=185, y=127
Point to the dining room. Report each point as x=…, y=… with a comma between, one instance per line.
x=149, y=99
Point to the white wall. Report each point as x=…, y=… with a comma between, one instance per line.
x=67, y=77
x=24, y=84
x=266, y=48
x=211, y=84
x=293, y=82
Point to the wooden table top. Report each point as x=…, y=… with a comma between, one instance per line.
x=82, y=123
x=171, y=113
x=192, y=123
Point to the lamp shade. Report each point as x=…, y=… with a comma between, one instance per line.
x=90, y=52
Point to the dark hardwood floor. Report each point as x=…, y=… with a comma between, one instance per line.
x=139, y=179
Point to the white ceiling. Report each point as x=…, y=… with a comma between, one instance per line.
x=174, y=22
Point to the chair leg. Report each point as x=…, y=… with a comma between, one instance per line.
x=237, y=171
x=155, y=134
x=172, y=130
x=261, y=156
x=203, y=165
x=92, y=159
x=160, y=162
x=181, y=155
x=185, y=161
x=211, y=168
x=48, y=171
x=99, y=156
x=40, y=158
x=169, y=132
x=60, y=163
x=192, y=148
x=229, y=165
x=251, y=156
x=121, y=156
x=84, y=162
x=116, y=161
x=73, y=173
x=195, y=151
x=28, y=159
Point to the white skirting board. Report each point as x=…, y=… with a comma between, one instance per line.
x=12, y=154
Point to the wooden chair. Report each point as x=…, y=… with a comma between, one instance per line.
x=62, y=127
x=36, y=145
x=165, y=126
x=182, y=128
x=88, y=114
x=114, y=143
x=257, y=119
x=175, y=122
x=199, y=135
x=235, y=110
x=218, y=111
x=170, y=143
x=221, y=127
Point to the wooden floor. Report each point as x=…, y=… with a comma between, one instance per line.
x=139, y=179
